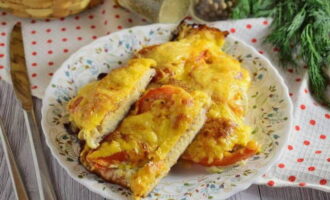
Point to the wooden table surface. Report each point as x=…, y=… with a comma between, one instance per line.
x=66, y=187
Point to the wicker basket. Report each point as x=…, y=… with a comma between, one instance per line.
x=46, y=8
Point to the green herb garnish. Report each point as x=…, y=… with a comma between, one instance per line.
x=299, y=27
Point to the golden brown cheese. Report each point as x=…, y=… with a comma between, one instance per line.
x=195, y=61
x=142, y=142
x=97, y=99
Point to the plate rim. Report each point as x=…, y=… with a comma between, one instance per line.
x=239, y=188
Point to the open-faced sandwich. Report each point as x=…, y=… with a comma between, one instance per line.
x=193, y=108
x=194, y=60
x=150, y=140
x=100, y=105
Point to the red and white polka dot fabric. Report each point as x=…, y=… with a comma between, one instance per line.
x=49, y=42
x=306, y=160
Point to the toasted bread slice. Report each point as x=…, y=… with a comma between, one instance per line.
x=194, y=60
x=149, y=140
x=100, y=105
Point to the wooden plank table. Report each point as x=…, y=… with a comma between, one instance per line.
x=67, y=188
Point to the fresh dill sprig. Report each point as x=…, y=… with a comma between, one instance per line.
x=299, y=26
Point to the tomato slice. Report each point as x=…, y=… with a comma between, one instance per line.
x=116, y=157
x=239, y=155
x=164, y=93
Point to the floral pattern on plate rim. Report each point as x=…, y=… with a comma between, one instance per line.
x=269, y=112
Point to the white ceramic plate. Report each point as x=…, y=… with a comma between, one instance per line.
x=269, y=112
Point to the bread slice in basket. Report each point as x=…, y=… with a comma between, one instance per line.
x=150, y=140
x=100, y=105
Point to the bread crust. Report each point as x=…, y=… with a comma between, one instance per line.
x=140, y=169
x=119, y=109
x=112, y=119
x=123, y=178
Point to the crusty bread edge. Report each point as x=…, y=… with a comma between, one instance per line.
x=112, y=119
x=179, y=148
x=112, y=175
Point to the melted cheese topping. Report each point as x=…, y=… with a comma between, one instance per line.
x=152, y=134
x=96, y=99
x=196, y=62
